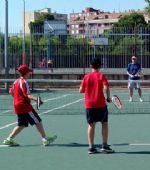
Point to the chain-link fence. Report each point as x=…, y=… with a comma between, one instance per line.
x=115, y=48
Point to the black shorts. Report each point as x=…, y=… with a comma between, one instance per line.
x=96, y=115
x=31, y=118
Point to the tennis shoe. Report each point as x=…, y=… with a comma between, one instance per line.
x=141, y=100
x=10, y=142
x=49, y=140
x=106, y=149
x=131, y=99
x=92, y=150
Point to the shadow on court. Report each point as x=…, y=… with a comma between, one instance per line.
x=56, y=145
x=86, y=145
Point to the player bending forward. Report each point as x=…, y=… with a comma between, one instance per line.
x=24, y=110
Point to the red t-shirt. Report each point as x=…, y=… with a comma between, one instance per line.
x=22, y=103
x=92, y=85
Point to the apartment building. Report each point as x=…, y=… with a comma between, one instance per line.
x=94, y=22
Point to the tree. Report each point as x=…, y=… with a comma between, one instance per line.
x=148, y=7
x=127, y=34
x=132, y=20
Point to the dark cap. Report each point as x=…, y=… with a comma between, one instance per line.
x=96, y=63
x=24, y=69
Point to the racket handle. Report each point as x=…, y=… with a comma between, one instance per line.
x=108, y=99
x=41, y=102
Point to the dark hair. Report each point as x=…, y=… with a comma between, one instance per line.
x=96, y=63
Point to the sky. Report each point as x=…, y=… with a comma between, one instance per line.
x=61, y=6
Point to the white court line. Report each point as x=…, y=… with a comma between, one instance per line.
x=6, y=111
x=3, y=146
x=59, y=97
x=55, y=98
x=48, y=111
x=8, y=125
x=139, y=144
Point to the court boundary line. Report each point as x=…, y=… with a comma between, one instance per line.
x=139, y=144
x=65, y=105
x=46, y=100
x=8, y=125
x=56, y=108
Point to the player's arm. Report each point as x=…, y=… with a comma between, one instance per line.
x=107, y=92
x=129, y=74
x=139, y=72
x=32, y=97
x=128, y=71
x=106, y=89
x=11, y=91
x=26, y=92
x=82, y=87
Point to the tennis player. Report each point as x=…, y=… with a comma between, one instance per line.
x=135, y=74
x=93, y=85
x=24, y=110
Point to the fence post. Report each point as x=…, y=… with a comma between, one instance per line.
x=6, y=44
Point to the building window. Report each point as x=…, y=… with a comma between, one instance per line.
x=72, y=32
x=106, y=16
x=77, y=31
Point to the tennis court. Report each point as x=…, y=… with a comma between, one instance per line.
x=63, y=115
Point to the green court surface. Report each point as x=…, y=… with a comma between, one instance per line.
x=63, y=115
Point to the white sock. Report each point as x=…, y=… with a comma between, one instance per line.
x=9, y=138
x=44, y=139
x=91, y=146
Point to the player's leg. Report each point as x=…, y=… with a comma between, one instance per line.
x=130, y=87
x=45, y=140
x=41, y=130
x=104, y=120
x=34, y=119
x=104, y=132
x=16, y=131
x=139, y=91
x=22, y=123
x=105, y=147
x=91, y=134
x=131, y=94
x=9, y=140
x=91, y=120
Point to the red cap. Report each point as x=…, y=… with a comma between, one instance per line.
x=23, y=69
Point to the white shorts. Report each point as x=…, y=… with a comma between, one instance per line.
x=134, y=84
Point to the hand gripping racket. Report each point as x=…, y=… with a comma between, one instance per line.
x=117, y=102
x=39, y=102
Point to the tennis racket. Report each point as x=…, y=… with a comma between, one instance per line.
x=117, y=102
x=39, y=102
x=139, y=74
